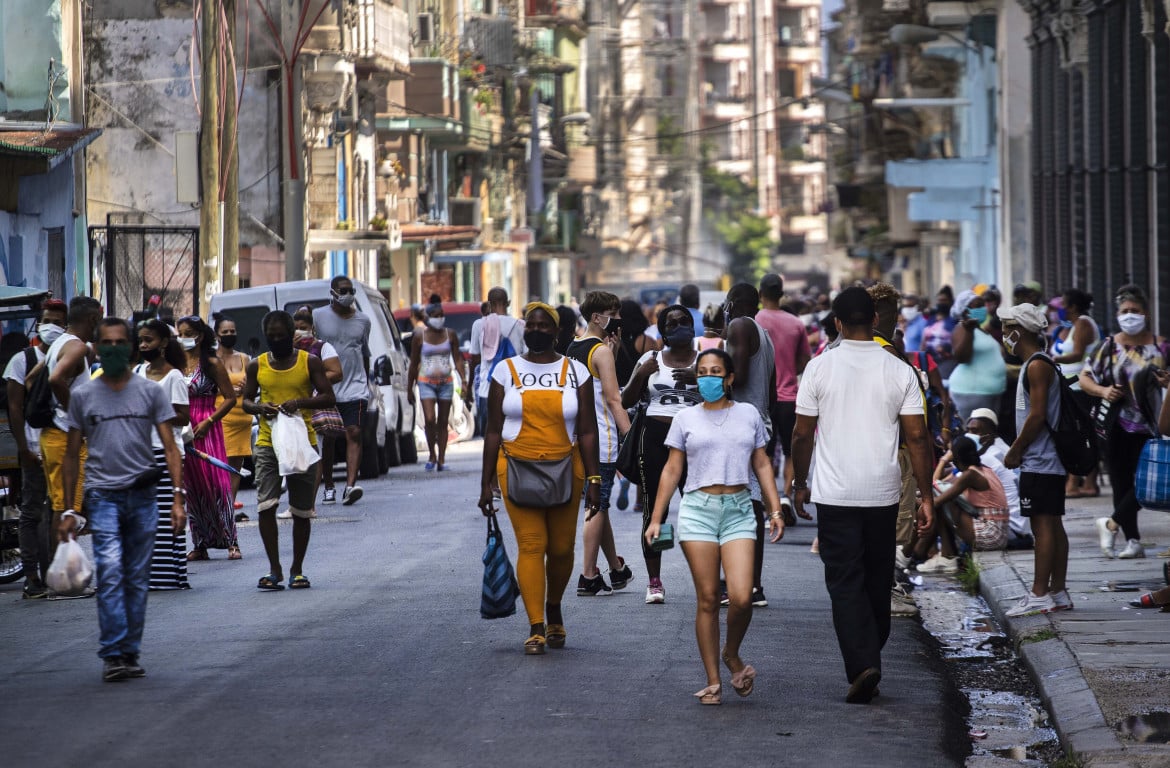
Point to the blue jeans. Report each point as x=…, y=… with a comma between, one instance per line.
x=123, y=524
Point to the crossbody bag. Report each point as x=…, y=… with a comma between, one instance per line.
x=540, y=483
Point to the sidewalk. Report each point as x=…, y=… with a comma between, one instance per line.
x=1103, y=662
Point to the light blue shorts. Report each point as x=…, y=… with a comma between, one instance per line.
x=718, y=519
x=427, y=391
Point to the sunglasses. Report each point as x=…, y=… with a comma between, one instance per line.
x=345, y=292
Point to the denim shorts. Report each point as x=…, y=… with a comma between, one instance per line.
x=718, y=519
x=427, y=391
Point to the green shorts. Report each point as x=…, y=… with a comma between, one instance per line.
x=302, y=487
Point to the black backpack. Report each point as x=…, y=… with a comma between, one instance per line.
x=38, y=397
x=1074, y=435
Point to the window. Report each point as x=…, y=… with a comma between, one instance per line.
x=56, y=281
x=786, y=83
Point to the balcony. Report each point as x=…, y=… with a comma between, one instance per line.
x=561, y=14
x=734, y=166
x=432, y=102
x=381, y=38
x=726, y=50
x=722, y=107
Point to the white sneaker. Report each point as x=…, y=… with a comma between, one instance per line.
x=285, y=515
x=655, y=593
x=901, y=559
x=1030, y=605
x=939, y=564
x=1133, y=549
x=901, y=603
x=350, y=495
x=1106, y=538
x=1062, y=600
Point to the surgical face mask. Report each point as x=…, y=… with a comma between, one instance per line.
x=978, y=314
x=228, y=341
x=682, y=336
x=1131, y=323
x=49, y=332
x=436, y=323
x=188, y=343
x=1009, y=343
x=910, y=314
x=279, y=348
x=712, y=388
x=115, y=358
x=539, y=341
x=344, y=299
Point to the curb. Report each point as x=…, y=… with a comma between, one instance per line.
x=1066, y=694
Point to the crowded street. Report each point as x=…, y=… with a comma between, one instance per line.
x=386, y=661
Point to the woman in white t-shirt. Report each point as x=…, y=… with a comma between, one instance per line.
x=163, y=364
x=540, y=409
x=720, y=442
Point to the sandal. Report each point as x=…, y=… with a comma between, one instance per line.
x=534, y=646
x=1147, y=601
x=234, y=553
x=270, y=582
x=743, y=680
x=197, y=554
x=300, y=581
x=712, y=695
x=556, y=635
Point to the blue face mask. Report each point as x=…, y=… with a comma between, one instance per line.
x=978, y=314
x=711, y=388
x=682, y=336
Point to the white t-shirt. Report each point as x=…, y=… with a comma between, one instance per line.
x=511, y=328
x=718, y=444
x=174, y=384
x=17, y=371
x=858, y=391
x=535, y=376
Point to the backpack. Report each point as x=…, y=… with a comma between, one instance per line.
x=1074, y=435
x=38, y=397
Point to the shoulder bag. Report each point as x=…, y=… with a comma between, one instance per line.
x=1103, y=413
x=540, y=483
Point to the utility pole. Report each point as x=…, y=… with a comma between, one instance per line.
x=691, y=128
x=292, y=177
x=209, y=210
x=231, y=191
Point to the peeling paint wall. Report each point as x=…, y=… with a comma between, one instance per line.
x=46, y=203
x=30, y=34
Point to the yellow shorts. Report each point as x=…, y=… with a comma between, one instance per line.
x=53, y=444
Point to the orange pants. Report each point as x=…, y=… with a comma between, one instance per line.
x=545, y=538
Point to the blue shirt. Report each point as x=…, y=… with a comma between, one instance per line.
x=912, y=334
x=697, y=316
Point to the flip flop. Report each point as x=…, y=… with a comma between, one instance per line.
x=270, y=583
x=300, y=581
x=710, y=696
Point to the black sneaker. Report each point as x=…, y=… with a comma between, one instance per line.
x=34, y=590
x=724, y=600
x=620, y=578
x=593, y=587
x=133, y=668
x=758, y=599
x=114, y=669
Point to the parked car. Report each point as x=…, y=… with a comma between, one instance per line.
x=388, y=439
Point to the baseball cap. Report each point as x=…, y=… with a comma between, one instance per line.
x=1027, y=316
x=985, y=413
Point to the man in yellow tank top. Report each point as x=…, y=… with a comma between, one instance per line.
x=287, y=380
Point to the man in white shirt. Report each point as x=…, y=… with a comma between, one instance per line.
x=34, y=493
x=493, y=337
x=854, y=403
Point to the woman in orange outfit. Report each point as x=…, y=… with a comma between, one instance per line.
x=540, y=408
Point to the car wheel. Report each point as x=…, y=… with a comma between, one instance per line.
x=368, y=468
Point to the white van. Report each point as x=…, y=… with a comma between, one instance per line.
x=388, y=440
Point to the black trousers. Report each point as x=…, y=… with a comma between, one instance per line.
x=1123, y=456
x=857, y=548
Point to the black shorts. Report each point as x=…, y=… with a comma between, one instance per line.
x=351, y=412
x=1041, y=494
x=783, y=422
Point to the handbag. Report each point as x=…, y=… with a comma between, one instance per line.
x=327, y=421
x=540, y=483
x=499, y=580
x=1103, y=413
x=1151, y=483
x=627, y=457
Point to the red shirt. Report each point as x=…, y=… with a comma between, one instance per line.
x=789, y=339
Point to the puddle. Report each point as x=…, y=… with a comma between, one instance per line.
x=1006, y=719
x=1150, y=728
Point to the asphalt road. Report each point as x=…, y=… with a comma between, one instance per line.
x=386, y=662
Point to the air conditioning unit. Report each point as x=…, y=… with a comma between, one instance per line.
x=426, y=28
x=465, y=212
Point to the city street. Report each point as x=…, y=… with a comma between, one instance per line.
x=385, y=661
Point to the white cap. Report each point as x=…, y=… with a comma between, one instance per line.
x=985, y=413
x=1027, y=316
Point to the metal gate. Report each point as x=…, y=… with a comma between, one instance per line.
x=131, y=263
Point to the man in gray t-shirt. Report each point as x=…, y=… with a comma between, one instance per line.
x=348, y=330
x=117, y=413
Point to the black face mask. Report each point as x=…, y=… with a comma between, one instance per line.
x=613, y=325
x=539, y=341
x=227, y=342
x=280, y=348
x=150, y=355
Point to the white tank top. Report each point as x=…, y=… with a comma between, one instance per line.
x=667, y=396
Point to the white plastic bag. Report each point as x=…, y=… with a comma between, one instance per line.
x=290, y=441
x=71, y=570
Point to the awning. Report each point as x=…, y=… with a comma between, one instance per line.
x=46, y=149
x=439, y=233
x=471, y=257
x=353, y=240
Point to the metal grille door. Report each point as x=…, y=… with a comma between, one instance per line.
x=138, y=262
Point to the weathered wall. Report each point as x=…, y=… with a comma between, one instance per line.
x=46, y=202
x=30, y=34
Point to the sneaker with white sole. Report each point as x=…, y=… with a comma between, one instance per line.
x=1133, y=550
x=902, y=560
x=940, y=564
x=758, y=598
x=350, y=495
x=655, y=593
x=621, y=577
x=1106, y=538
x=329, y=497
x=1031, y=605
x=284, y=515
x=593, y=587
x=901, y=604
x=1062, y=600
